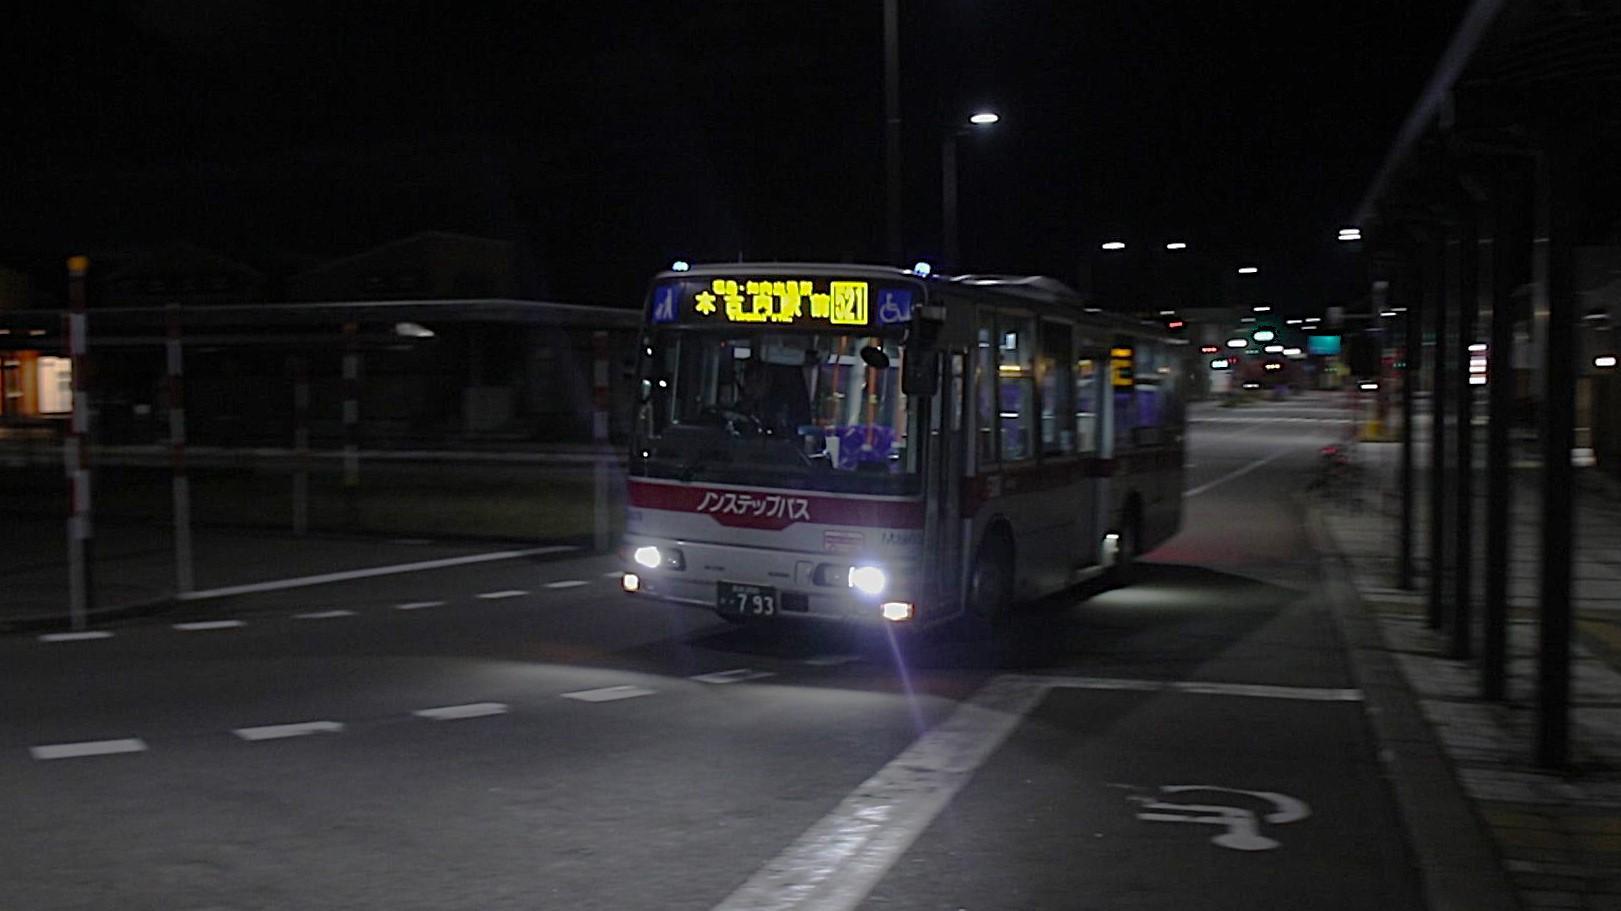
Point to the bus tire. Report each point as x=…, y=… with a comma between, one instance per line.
x=1124, y=570
x=990, y=585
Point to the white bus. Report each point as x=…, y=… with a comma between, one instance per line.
x=874, y=444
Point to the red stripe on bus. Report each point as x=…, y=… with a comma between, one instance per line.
x=774, y=510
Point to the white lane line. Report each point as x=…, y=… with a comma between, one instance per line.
x=613, y=574
x=76, y=637
x=88, y=748
x=470, y=710
x=347, y=575
x=197, y=625
x=830, y=660
x=736, y=675
x=297, y=729
x=837, y=861
x=418, y=605
x=1199, y=687
x=609, y=693
x=1193, y=492
x=324, y=614
x=567, y=583
x=504, y=593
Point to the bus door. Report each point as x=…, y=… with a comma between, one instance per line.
x=947, y=444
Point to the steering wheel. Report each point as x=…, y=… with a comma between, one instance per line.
x=735, y=422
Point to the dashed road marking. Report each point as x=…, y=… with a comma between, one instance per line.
x=830, y=660
x=88, y=748
x=324, y=614
x=199, y=625
x=567, y=583
x=418, y=605
x=297, y=729
x=506, y=593
x=613, y=574
x=76, y=637
x=455, y=712
x=609, y=693
x=736, y=675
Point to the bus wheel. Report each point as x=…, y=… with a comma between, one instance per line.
x=1123, y=572
x=990, y=586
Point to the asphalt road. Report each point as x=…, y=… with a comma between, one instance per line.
x=518, y=734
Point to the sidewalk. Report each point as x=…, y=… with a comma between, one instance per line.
x=1556, y=835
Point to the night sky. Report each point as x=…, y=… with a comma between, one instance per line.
x=608, y=138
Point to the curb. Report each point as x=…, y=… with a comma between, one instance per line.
x=1458, y=863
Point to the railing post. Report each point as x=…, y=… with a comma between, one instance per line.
x=177, y=452
x=600, y=401
x=76, y=452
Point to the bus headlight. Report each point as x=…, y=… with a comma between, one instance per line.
x=896, y=611
x=648, y=556
x=869, y=580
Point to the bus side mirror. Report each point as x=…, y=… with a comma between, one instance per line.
x=920, y=374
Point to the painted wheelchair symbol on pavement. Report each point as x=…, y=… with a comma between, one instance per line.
x=1243, y=827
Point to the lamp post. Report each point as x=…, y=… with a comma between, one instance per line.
x=892, y=128
x=948, y=181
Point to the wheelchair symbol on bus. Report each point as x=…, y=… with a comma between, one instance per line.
x=894, y=307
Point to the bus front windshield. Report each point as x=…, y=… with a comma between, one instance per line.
x=819, y=411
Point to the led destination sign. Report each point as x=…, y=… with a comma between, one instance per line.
x=780, y=302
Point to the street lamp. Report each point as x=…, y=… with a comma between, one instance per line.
x=948, y=180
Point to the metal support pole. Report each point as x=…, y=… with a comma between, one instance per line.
x=948, y=201
x=1461, y=640
x=1436, y=298
x=301, y=444
x=351, y=425
x=1554, y=202
x=1499, y=491
x=76, y=453
x=892, y=128
x=600, y=400
x=1412, y=375
x=177, y=452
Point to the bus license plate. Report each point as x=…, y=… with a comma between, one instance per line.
x=747, y=600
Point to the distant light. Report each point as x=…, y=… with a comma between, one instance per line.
x=1208, y=349
x=1387, y=313
x=1247, y=319
x=413, y=330
x=1274, y=367
x=1248, y=270
x=680, y=265
x=1176, y=245
x=1261, y=308
x=1293, y=352
x=1167, y=313
x=984, y=118
x=1478, y=346
x=1174, y=324
x=630, y=582
x=1314, y=319
x=1114, y=245
x=1220, y=363
x=1265, y=335
x=1294, y=322
x=1273, y=349
x=922, y=269
x=1350, y=235
x=1477, y=380
x=896, y=611
x=1604, y=360
x=1237, y=343
x=1368, y=387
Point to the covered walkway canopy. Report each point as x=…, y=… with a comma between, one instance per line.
x=1493, y=233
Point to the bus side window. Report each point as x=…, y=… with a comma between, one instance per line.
x=1086, y=403
x=985, y=389
x=1016, y=381
x=1057, y=431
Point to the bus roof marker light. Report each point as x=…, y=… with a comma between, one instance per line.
x=680, y=265
x=1604, y=361
x=984, y=118
x=922, y=269
x=1248, y=270
x=1114, y=245
x=1261, y=308
x=1176, y=245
